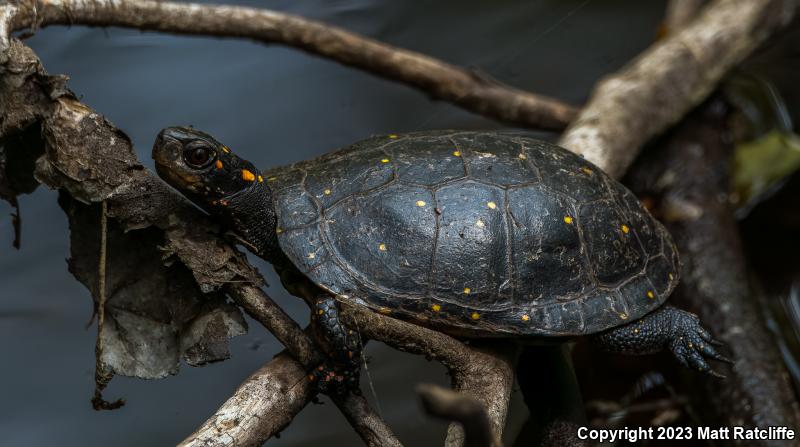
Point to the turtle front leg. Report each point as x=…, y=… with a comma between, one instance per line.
x=340, y=372
x=667, y=327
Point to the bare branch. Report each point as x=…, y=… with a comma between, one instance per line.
x=461, y=408
x=434, y=77
x=671, y=77
x=262, y=406
x=485, y=371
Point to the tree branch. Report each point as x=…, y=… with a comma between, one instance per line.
x=666, y=81
x=438, y=79
x=461, y=408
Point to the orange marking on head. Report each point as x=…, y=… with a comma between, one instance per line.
x=247, y=175
x=219, y=164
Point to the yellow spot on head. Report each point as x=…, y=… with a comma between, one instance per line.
x=226, y=150
x=392, y=136
x=491, y=205
x=385, y=160
x=385, y=310
x=320, y=311
x=219, y=164
x=475, y=316
x=467, y=290
x=436, y=308
x=279, y=230
x=327, y=192
x=260, y=179
x=522, y=156
x=247, y=175
x=480, y=224
x=382, y=247
x=671, y=276
x=586, y=170
x=624, y=316
x=312, y=255
x=568, y=220
x=526, y=318
x=456, y=153
x=625, y=229
x=420, y=203
x=650, y=294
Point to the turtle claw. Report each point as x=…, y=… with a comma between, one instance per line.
x=692, y=345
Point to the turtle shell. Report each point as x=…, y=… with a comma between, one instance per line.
x=478, y=233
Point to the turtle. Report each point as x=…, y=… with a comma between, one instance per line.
x=474, y=234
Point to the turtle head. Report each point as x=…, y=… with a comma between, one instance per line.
x=227, y=187
x=202, y=168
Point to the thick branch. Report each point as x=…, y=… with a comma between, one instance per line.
x=670, y=78
x=261, y=407
x=436, y=78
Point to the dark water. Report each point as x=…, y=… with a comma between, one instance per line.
x=276, y=106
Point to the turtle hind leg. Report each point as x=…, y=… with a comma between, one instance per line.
x=668, y=327
x=339, y=374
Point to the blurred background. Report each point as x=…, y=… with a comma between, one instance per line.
x=276, y=106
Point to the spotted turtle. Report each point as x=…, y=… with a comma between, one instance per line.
x=474, y=234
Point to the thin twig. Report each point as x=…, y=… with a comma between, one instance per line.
x=101, y=374
x=461, y=408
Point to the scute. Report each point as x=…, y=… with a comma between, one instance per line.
x=471, y=264
x=427, y=161
x=474, y=233
x=614, y=251
x=548, y=256
x=363, y=233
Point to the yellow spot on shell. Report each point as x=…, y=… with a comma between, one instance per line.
x=568, y=220
x=327, y=192
x=384, y=160
x=526, y=318
x=650, y=294
x=475, y=316
x=456, y=153
x=467, y=290
x=624, y=316
x=385, y=310
x=436, y=308
x=491, y=205
x=226, y=150
x=625, y=229
x=219, y=164
x=522, y=156
x=382, y=247
x=312, y=255
x=636, y=331
x=321, y=311
x=420, y=203
x=260, y=179
x=279, y=230
x=587, y=170
x=247, y=175
x=392, y=136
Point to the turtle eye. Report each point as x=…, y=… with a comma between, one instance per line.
x=198, y=156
